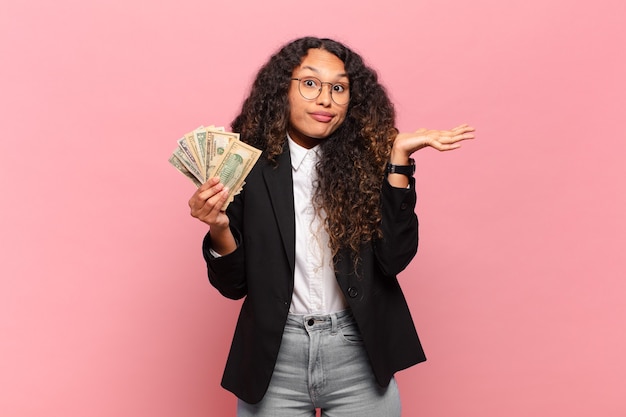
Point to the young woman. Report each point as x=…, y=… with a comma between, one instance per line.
x=316, y=238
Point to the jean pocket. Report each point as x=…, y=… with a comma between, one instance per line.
x=351, y=334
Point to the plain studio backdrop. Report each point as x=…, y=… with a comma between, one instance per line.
x=517, y=290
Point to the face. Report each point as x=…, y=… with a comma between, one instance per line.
x=313, y=120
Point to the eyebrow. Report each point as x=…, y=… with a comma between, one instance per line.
x=315, y=70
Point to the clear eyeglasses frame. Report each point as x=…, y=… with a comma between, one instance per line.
x=310, y=88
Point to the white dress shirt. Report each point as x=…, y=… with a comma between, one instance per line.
x=315, y=287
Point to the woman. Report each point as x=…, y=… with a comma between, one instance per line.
x=316, y=238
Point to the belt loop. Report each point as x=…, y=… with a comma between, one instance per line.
x=333, y=324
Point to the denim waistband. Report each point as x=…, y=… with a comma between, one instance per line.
x=320, y=321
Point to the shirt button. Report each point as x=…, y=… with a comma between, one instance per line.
x=353, y=292
x=404, y=206
x=310, y=322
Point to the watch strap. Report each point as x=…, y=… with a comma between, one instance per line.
x=407, y=170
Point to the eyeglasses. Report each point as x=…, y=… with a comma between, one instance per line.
x=310, y=88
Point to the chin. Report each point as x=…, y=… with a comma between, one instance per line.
x=323, y=134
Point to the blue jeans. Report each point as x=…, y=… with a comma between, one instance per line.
x=322, y=363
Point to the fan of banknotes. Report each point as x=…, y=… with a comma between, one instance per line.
x=209, y=152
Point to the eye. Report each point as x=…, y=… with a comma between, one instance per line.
x=339, y=88
x=310, y=83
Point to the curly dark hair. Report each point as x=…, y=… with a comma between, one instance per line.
x=353, y=158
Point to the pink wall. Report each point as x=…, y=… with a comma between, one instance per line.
x=518, y=288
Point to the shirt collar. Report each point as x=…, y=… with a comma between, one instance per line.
x=298, y=153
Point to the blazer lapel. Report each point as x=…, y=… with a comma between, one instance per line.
x=279, y=183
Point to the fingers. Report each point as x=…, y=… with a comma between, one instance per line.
x=460, y=137
x=449, y=140
x=203, y=192
x=442, y=140
x=459, y=133
x=211, y=212
x=213, y=206
x=208, y=200
x=443, y=147
x=211, y=182
x=464, y=128
x=210, y=191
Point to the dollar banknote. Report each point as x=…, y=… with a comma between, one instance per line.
x=199, y=139
x=208, y=152
x=177, y=163
x=217, y=143
x=189, y=158
x=234, y=167
x=181, y=157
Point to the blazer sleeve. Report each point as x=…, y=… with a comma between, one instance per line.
x=227, y=273
x=399, y=226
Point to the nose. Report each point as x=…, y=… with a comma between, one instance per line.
x=325, y=97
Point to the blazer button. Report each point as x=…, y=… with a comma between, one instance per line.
x=404, y=206
x=353, y=292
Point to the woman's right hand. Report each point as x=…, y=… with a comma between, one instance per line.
x=206, y=205
x=207, y=202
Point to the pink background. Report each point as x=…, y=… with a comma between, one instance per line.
x=517, y=290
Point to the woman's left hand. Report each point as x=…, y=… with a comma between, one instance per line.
x=442, y=140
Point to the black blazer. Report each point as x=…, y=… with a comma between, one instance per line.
x=261, y=269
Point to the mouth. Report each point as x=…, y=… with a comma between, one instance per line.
x=321, y=116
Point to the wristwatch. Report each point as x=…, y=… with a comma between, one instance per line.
x=407, y=170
